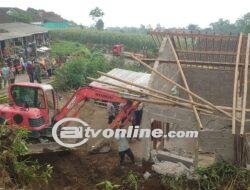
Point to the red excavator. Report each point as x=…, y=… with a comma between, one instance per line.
x=35, y=106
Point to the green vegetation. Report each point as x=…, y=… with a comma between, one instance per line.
x=107, y=185
x=132, y=42
x=63, y=48
x=74, y=72
x=22, y=172
x=20, y=15
x=133, y=180
x=82, y=63
x=218, y=176
x=96, y=14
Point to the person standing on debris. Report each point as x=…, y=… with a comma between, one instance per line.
x=38, y=72
x=5, y=74
x=124, y=149
x=111, y=112
x=30, y=71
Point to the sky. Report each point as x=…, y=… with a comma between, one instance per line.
x=167, y=13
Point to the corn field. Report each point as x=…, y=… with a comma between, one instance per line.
x=132, y=42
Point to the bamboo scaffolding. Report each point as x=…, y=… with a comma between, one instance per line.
x=184, y=89
x=235, y=90
x=185, y=83
x=167, y=101
x=244, y=101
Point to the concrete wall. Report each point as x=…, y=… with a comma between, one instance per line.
x=215, y=86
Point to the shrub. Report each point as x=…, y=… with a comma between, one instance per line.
x=63, y=48
x=21, y=171
x=74, y=72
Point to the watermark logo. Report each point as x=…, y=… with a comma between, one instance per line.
x=69, y=132
x=81, y=133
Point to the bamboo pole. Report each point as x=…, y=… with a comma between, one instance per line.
x=170, y=102
x=185, y=83
x=154, y=91
x=196, y=148
x=231, y=109
x=235, y=90
x=167, y=95
x=244, y=101
x=181, y=87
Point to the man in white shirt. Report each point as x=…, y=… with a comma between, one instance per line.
x=123, y=149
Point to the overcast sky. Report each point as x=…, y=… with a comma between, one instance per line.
x=169, y=13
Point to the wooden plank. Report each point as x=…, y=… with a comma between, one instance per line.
x=244, y=101
x=207, y=52
x=235, y=89
x=183, y=88
x=165, y=102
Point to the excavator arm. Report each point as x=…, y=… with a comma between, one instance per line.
x=86, y=93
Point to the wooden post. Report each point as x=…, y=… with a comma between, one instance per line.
x=196, y=148
x=244, y=101
x=235, y=90
x=184, y=89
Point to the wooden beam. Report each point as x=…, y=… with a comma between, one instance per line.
x=189, y=62
x=185, y=83
x=167, y=101
x=235, y=89
x=199, y=35
x=183, y=88
x=196, y=148
x=206, y=52
x=155, y=91
x=244, y=101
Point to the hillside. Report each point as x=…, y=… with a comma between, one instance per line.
x=10, y=14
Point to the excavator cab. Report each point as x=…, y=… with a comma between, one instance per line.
x=31, y=106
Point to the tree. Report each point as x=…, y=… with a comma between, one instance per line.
x=193, y=27
x=96, y=14
x=99, y=24
x=224, y=26
x=19, y=16
x=244, y=23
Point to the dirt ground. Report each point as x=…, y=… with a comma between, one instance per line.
x=80, y=169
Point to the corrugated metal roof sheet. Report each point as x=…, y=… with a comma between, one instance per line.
x=18, y=29
x=131, y=76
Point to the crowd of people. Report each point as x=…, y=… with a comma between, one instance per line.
x=35, y=69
